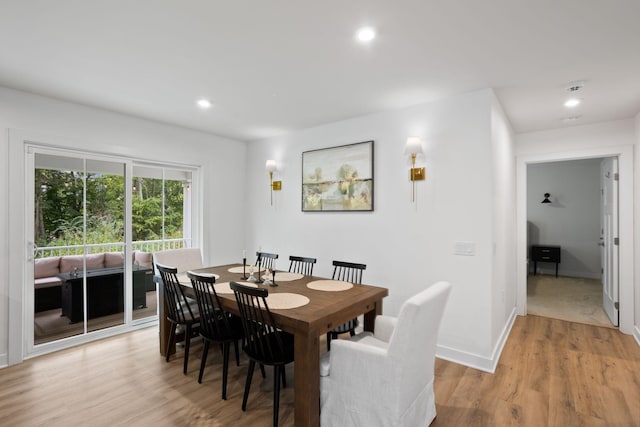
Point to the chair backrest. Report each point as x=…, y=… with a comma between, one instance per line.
x=182, y=259
x=301, y=265
x=348, y=271
x=414, y=338
x=263, y=340
x=179, y=310
x=214, y=321
x=266, y=260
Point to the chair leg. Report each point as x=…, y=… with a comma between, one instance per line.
x=276, y=393
x=284, y=377
x=225, y=369
x=235, y=345
x=203, y=361
x=187, y=343
x=352, y=332
x=172, y=339
x=247, y=384
x=264, y=374
x=328, y=341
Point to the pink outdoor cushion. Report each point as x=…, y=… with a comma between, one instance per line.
x=47, y=282
x=94, y=262
x=144, y=259
x=46, y=267
x=113, y=259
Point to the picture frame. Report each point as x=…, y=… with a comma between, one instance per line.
x=338, y=179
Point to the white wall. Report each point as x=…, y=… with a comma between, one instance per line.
x=4, y=248
x=572, y=220
x=504, y=217
x=79, y=127
x=637, y=231
x=406, y=246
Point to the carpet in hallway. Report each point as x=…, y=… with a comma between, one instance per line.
x=574, y=299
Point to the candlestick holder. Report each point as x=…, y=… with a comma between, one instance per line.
x=267, y=277
x=259, y=279
x=244, y=269
x=251, y=278
x=273, y=279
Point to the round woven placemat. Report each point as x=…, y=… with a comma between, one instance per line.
x=184, y=279
x=285, y=300
x=329, y=285
x=239, y=269
x=224, y=288
x=284, y=276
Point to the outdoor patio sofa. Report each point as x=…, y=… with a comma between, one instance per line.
x=48, y=286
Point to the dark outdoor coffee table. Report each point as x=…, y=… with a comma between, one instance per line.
x=105, y=292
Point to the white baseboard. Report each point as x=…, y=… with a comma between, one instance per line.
x=482, y=363
x=636, y=334
x=3, y=360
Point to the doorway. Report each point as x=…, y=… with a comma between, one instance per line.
x=564, y=221
x=625, y=246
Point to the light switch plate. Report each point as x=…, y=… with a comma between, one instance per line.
x=464, y=248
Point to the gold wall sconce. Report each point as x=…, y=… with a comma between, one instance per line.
x=271, y=167
x=414, y=147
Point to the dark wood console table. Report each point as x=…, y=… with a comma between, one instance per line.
x=105, y=292
x=541, y=253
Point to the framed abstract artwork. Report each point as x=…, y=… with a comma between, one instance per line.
x=338, y=178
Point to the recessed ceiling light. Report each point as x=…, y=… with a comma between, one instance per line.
x=366, y=34
x=204, y=103
x=573, y=102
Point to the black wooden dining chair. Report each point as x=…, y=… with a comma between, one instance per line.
x=216, y=325
x=348, y=272
x=301, y=265
x=266, y=260
x=182, y=311
x=264, y=342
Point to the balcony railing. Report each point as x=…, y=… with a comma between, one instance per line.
x=96, y=248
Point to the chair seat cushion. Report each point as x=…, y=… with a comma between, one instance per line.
x=324, y=364
x=368, y=339
x=47, y=282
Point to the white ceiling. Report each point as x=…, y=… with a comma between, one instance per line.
x=272, y=66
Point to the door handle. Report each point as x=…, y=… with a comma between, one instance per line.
x=601, y=244
x=32, y=251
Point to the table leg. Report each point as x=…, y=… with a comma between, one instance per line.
x=307, y=379
x=370, y=316
x=163, y=324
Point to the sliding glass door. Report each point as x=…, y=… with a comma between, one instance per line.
x=95, y=223
x=79, y=253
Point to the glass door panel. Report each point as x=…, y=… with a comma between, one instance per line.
x=59, y=238
x=79, y=233
x=105, y=252
x=160, y=198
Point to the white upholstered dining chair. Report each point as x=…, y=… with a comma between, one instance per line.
x=181, y=259
x=386, y=378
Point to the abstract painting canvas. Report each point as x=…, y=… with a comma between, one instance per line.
x=338, y=178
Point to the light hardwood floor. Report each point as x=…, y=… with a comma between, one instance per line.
x=551, y=373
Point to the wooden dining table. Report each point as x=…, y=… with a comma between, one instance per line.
x=325, y=311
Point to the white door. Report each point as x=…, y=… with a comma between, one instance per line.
x=609, y=236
